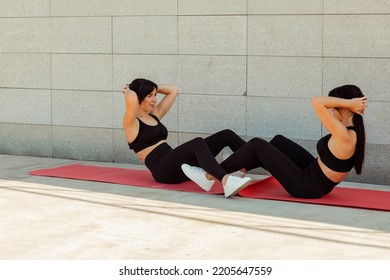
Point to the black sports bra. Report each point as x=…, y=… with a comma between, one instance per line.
x=334, y=163
x=148, y=135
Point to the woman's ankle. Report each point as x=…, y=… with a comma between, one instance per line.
x=224, y=179
x=209, y=177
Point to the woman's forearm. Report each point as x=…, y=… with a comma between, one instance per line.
x=167, y=88
x=331, y=102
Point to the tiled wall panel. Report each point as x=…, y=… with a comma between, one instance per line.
x=248, y=65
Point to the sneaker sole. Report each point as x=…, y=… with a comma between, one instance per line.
x=239, y=189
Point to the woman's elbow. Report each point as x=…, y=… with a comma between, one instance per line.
x=175, y=88
x=315, y=101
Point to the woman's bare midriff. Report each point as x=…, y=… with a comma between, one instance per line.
x=332, y=175
x=144, y=153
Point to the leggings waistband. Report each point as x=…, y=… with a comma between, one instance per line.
x=156, y=154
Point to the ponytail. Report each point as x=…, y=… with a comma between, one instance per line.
x=350, y=92
x=361, y=142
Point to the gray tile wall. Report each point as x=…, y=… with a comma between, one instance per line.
x=248, y=65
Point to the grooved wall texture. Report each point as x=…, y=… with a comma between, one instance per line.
x=248, y=65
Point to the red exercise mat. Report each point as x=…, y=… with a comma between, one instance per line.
x=268, y=188
x=122, y=176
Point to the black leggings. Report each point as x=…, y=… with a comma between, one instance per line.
x=294, y=167
x=165, y=162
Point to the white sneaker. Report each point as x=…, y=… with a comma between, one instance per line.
x=198, y=175
x=225, y=155
x=235, y=184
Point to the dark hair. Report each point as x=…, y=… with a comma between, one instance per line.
x=350, y=92
x=142, y=87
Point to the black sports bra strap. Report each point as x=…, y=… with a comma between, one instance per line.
x=155, y=117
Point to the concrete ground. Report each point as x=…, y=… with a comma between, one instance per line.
x=49, y=218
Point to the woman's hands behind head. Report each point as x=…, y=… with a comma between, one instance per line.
x=358, y=105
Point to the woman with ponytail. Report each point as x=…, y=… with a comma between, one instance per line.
x=301, y=174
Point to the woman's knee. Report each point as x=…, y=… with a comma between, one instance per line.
x=258, y=145
x=228, y=133
x=277, y=138
x=257, y=142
